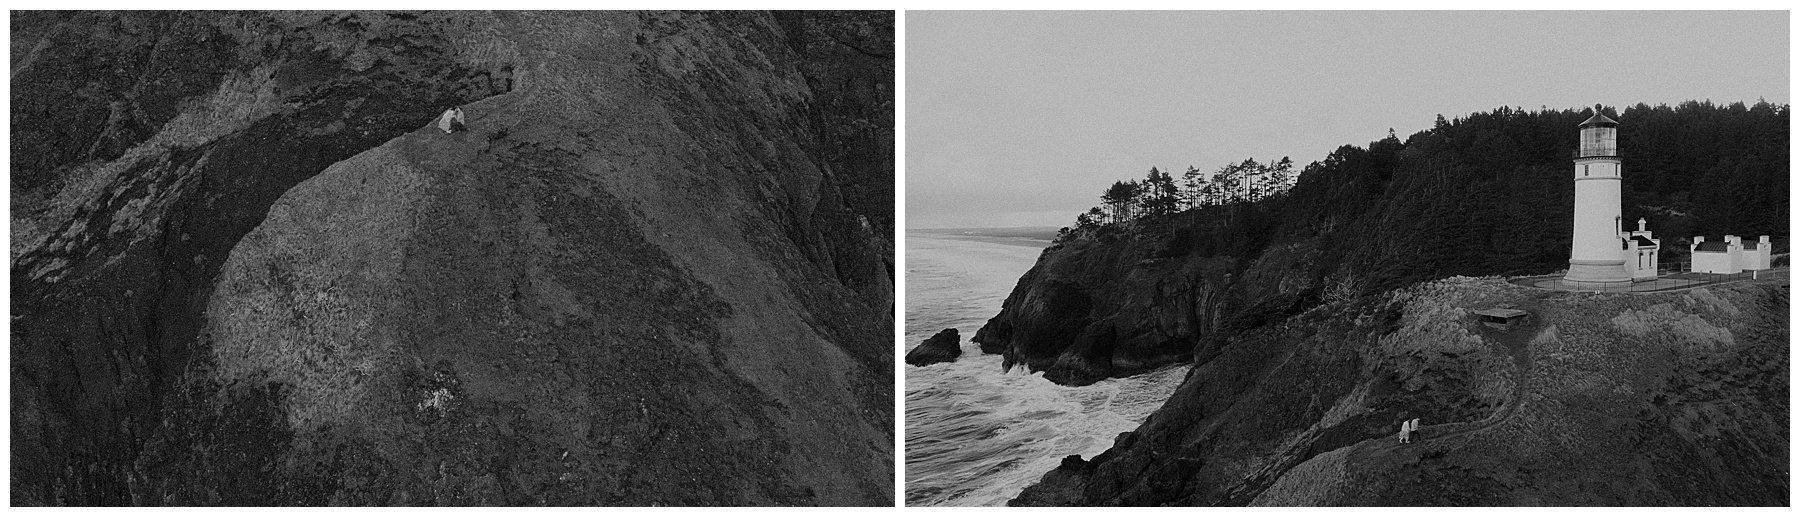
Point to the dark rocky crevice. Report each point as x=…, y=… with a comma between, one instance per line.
x=844, y=127
x=79, y=101
x=851, y=116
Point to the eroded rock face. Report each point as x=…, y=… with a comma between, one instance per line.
x=943, y=347
x=636, y=280
x=1117, y=304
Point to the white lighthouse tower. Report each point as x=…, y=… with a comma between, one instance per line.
x=1594, y=254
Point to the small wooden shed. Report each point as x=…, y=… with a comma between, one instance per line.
x=1501, y=318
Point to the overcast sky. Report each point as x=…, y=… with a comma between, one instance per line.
x=1022, y=118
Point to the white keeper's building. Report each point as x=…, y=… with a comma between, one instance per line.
x=1731, y=255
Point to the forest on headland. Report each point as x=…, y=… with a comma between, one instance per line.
x=1482, y=194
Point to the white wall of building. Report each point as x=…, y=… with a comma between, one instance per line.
x=1748, y=260
x=1714, y=262
x=1640, y=263
x=1594, y=254
x=1597, y=192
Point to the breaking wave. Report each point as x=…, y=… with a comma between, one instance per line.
x=976, y=436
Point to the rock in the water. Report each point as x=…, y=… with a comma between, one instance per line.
x=944, y=347
x=1059, y=487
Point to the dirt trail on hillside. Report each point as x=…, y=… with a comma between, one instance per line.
x=1387, y=448
x=1516, y=343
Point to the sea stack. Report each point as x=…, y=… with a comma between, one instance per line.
x=944, y=347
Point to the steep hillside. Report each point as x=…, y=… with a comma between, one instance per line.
x=657, y=270
x=1674, y=398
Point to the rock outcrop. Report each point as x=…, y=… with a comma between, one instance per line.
x=1117, y=303
x=943, y=347
x=1059, y=487
x=656, y=271
x=1661, y=399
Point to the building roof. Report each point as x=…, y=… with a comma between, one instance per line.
x=1712, y=246
x=1644, y=242
x=1501, y=313
x=1599, y=119
x=1750, y=245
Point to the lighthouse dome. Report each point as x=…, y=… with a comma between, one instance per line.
x=1599, y=120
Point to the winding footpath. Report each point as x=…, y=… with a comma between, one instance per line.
x=1522, y=364
x=1516, y=343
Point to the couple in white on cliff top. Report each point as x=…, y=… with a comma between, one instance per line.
x=452, y=120
x=1407, y=429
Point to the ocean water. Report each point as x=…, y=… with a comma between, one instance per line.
x=976, y=436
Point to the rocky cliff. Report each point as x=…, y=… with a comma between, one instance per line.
x=1675, y=398
x=247, y=270
x=1115, y=302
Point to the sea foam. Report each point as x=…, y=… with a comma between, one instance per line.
x=975, y=435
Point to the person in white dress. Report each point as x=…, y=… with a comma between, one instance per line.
x=444, y=121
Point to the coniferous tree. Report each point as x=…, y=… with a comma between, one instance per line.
x=1228, y=184
x=1136, y=208
x=1277, y=177
x=1249, y=173
x=1120, y=199
x=1091, y=219
x=1161, y=197
x=1193, y=188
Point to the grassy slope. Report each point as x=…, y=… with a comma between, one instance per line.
x=562, y=306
